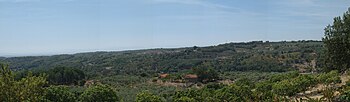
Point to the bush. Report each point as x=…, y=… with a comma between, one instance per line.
x=234, y=93
x=185, y=99
x=99, y=93
x=290, y=87
x=59, y=94
x=147, y=97
x=331, y=77
x=345, y=96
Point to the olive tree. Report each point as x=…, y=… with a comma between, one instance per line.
x=337, y=43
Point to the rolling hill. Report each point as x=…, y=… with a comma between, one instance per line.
x=247, y=56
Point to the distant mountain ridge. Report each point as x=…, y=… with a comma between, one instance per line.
x=255, y=55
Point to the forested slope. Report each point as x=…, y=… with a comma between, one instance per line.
x=250, y=56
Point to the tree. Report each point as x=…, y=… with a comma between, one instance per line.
x=27, y=89
x=59, y=94
x=206, y=73
x=99, y=93
x=337, y=43
x=65, y=76
x=146, y=96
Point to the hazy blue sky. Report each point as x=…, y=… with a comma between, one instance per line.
x=39, y=27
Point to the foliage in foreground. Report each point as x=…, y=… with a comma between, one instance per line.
x=27, y=89
x=278, y=88
x=32, y=89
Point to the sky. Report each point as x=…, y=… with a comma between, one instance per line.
x=46, y=27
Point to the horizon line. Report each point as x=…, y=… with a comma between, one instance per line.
x=138, y=49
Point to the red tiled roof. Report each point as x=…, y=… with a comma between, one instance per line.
x=191, y=76
x=163, y=75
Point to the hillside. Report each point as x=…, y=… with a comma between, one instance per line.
x=134, y=71
x=250, y=56
x=254, y=71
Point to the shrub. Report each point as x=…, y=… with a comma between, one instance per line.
x=99, y=93
x=59, y=94
x=146, y=96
